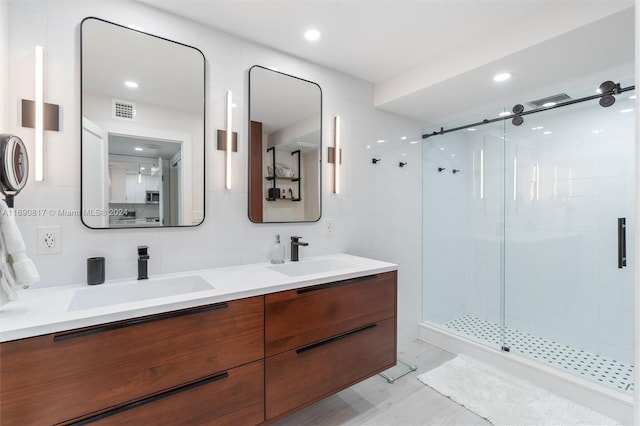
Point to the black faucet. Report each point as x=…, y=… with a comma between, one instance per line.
x=143, y=257
x=295, y=243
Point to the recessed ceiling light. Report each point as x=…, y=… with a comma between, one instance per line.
x=404, y=154
x=404, y=138
x=504, y=113
x=548, y=104
x=414, y=142
x=312, y=34
x=442, y=148
x=503, y=76
x=368, y=146
x=537, y=128
x=137, y=148
x=548, y=132
x=626, y=110
x=632, y=97
x=380, y=140
x=471, y=129
x=131, y=84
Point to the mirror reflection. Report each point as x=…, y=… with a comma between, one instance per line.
x=285, y=115
x=142, y=129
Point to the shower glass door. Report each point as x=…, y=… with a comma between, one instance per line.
x=570, y=178
x=463, y=229
x=521, y=236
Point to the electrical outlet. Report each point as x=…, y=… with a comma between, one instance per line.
x=329, y=226
x=49, y=240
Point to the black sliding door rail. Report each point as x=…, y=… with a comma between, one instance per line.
x=615, y=91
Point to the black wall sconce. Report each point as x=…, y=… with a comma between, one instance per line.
x=375, y=160
x=441, y=169
x=50, y=115
x=401, y=164
x=454, y=171
x=222, y=141
x=228, y=139
x=334, y=154
x=39, y=115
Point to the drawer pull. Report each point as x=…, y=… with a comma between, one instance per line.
x=335, y=284
x=151, y=399
x=145, y=320
x=334, y=339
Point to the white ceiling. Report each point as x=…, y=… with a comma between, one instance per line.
x=151, y=148
x=420, y=52
x=150, y=61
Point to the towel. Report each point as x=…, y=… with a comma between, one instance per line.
x=16, y=269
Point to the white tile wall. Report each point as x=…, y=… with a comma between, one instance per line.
x=4, y=66
x=377, y=213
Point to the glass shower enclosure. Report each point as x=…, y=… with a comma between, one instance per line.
x=524, y=236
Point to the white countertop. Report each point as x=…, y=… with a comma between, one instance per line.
x=44, y=311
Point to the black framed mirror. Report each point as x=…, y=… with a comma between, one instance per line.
x=285, y=146
x=143, y=129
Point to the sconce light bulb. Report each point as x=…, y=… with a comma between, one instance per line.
x=336, y=157
x=229, y=135
x=39, y=113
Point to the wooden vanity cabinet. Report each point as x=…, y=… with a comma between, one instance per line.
x=234, y=397
x=81, y=373
x=325, y=338
x=242, y=362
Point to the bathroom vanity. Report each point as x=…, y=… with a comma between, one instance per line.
x=258, y=345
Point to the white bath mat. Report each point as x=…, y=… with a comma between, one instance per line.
x=504, y=399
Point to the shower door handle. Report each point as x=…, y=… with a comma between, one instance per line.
x=622, y=242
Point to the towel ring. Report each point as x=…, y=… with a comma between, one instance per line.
x=14, y=166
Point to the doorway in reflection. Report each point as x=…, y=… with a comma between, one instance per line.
x=144, y=181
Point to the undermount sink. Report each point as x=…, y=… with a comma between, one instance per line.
x=133, y=291
x=296, y=269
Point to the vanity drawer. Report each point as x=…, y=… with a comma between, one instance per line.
x=234, y=397
x=74, y=373
x=300, y=377
x=296, y=318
